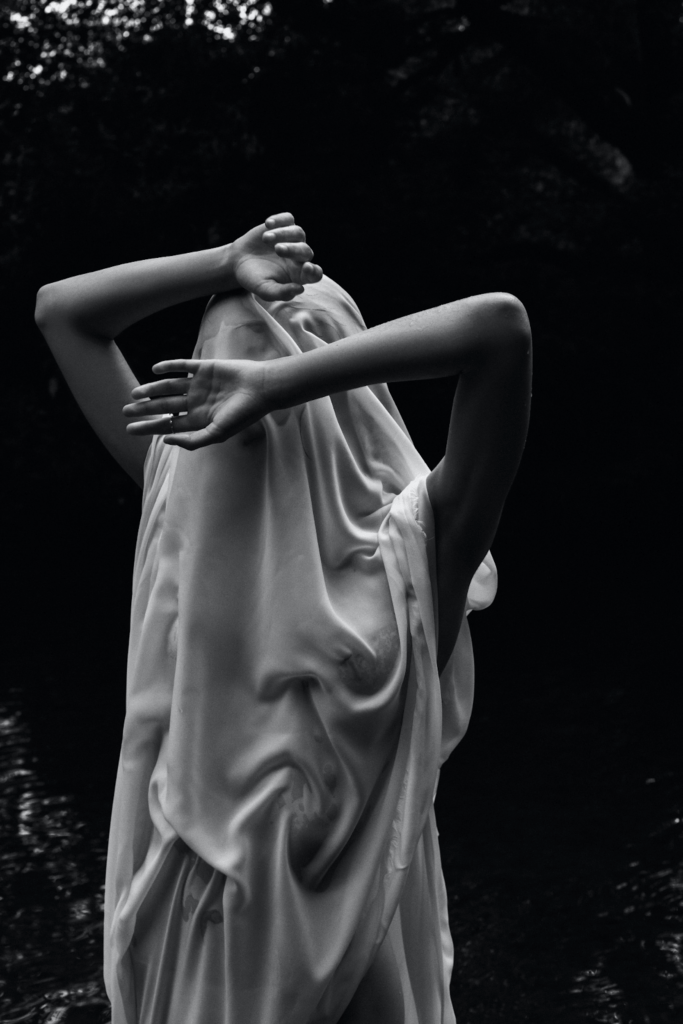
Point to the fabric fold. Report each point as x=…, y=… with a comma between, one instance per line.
x=273, y=820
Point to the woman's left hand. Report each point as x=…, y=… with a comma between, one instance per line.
x=221, y=398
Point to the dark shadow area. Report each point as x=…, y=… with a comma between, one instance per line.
x=431, y=150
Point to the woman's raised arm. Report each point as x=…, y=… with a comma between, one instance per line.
x=80, y=317
x=485, y=340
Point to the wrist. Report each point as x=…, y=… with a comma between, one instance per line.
x=226, y=267
x=296, y=379
x=279, y=382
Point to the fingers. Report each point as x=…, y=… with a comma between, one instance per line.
x=293, y=233
x=271, y=291
x=153, y=425
x=299, y=251
x=311, y=272
x=289, y=242
x=158, y=388
x=155, y=403
x=156, y=407
x=279, y=220
x=177, y=366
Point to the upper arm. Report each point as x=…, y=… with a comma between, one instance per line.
x=100, y=379
x=486, y=438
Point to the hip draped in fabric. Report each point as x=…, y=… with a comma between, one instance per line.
x=273, y=818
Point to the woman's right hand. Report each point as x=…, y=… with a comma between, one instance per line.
x=221, y=398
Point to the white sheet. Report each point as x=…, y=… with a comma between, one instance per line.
x=273, y=817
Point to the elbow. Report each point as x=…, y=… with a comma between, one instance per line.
x=53, y=307
x=507, y=321
x=47, y=306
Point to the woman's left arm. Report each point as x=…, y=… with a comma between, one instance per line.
x=485, y=340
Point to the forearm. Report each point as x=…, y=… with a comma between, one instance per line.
x=453, y=339
x=105, y=302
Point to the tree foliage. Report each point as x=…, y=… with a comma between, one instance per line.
x=430, y=147
x=498, y=115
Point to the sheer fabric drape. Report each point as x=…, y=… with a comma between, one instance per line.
x=273, y=818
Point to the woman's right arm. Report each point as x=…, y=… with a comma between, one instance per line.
x=80, y=317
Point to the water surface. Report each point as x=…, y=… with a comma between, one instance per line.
x=563, y=857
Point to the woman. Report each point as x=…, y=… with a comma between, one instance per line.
x=300, y=663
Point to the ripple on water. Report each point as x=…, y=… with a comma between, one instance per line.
x=600, y=944
x=51, y=894
x=596, y=944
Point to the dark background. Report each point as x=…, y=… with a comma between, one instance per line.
x=431, y=150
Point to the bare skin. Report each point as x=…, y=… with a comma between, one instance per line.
x=81, y=316
x=484, y=340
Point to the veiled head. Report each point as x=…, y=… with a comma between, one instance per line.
x=324, y=309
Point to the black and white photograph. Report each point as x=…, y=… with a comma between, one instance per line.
x=341, y=675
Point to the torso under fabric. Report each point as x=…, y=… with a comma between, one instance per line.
x=273, y=818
